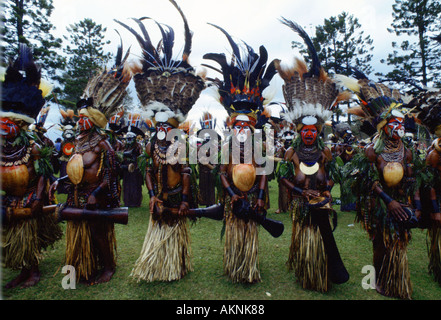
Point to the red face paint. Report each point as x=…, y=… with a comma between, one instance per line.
x=309, y=134
x=8, y=128
x=84, y=123
x=242, y=130
x=394, y=128
x=162, y=128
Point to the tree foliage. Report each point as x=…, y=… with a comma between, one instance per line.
x=86, y=56
x=416, y=59
x=341, y=44
x=27, y=21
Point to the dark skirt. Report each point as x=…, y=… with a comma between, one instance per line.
x=132, y=188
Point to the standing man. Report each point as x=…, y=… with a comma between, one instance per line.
x=167, y=90
x=310, y=97
x=385, y=185
x=93, y=179
x=240, y=92
x=25, y=170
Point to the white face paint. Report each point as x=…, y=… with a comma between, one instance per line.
x=242, y=130
x=400, y=133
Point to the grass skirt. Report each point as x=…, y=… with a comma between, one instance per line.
x=80, y=251
x=24, y=240
x=307, y=256
x=434, y=251
x=20, y=244
x=165, y=254
x=394, y=276
x=241, y=263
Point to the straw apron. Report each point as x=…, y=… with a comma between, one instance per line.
x=241, y=263
x=166, y=252
x=24, y=240
x=307, y=255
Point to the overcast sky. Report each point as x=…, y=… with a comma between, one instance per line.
x=254, y=21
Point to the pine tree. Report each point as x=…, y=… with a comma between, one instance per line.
x=416, y=60
x=341, y=44
x=27, y=21
x=86, y=56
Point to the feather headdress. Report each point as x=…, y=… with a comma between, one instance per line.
x=245, y=78
x=428, y=109
x=104, y=93
x=378, y=102
x=165, y=84
x=22, y=98
x=310, y=95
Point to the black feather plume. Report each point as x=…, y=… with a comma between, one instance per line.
x=188, y=33
x=234, y=46
x=21, y=95
x=315, y=66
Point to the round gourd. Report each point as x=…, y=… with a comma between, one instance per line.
x=15, y=179
x=75, y=169
x=244, y=176
x=393, y=172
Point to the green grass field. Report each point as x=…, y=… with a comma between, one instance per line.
x=207, y=281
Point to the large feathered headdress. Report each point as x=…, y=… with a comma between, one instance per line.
x=104, y=93
x=22, y=98
x=378, y=102
x=166, y=85
x=245, y=78
x=428, y=109
x=310, y=95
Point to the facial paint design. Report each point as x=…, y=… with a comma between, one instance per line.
x=309, y=134
x=162, y=128
x=84, y=123
x=394, y=128
x=242, y=130
x=8, y=128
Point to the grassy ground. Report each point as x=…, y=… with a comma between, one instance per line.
x=207, y=281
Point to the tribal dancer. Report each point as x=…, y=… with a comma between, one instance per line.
x=384, y=184
x=240, y=93
x=92, y=172
x=286, y=138
x=306, y=171
x=207, y=180
x=429, y=114
x=68, y=126
x=25, y=170
x=132, y=179
x=345, y=150
x=167, y=90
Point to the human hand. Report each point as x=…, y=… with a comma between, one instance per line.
x=397, y=211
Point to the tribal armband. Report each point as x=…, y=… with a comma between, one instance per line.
x=96, y=191
x=261, y=194
x=151, y=193
x=230, y=191
x=435, y=206
x=385, y=197
x=418, y=204
x=297, y=190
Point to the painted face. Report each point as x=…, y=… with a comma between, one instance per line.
x=68, y=132
x=242, y=130
x=84, y=123
x=395, y=128
x=162, y=128
x=8, y=128
x=309, y=134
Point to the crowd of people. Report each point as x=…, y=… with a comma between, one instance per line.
x=108, y=153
